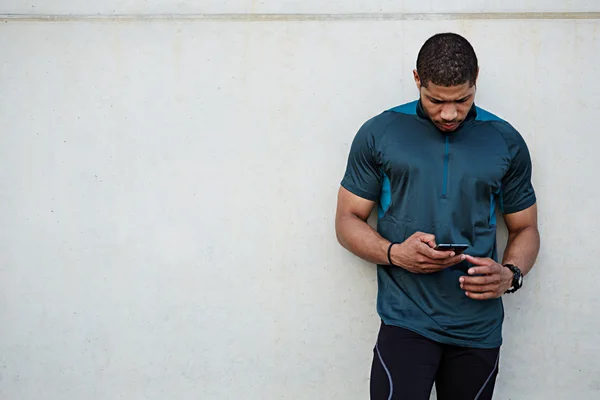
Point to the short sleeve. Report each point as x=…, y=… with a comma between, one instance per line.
x=517, y=193
x=363, y=172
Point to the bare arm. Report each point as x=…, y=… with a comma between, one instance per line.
x=523, y=239
x=415, y=254
x=354, y=233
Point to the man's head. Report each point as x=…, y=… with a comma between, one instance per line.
x=446, y=77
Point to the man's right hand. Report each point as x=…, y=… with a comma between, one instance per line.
x=417, y=255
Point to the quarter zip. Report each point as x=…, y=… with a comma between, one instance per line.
x=446, y=167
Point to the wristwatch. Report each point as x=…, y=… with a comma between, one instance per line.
x=517, y=281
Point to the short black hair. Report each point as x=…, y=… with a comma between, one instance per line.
x=447, y=59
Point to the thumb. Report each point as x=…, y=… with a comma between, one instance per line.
x=476, y=260
x=426, y=238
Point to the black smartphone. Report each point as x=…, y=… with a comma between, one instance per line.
x=457, y=248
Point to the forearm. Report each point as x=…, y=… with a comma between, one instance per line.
x=362, y=240
x=522, y=249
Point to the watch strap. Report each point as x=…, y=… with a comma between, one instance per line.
x=517, y=281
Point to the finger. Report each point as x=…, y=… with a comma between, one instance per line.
x=425, y=261
x=478, y=289
x=488, y=270
x=455, y=260
x=426, y=238
x=435, y=254
x=446, y=262
x=423, y=236
x=431, y=268
x=479, y=261
x=482, y=296
x=479, y=280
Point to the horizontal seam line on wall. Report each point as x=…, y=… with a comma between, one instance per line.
x=254, y=17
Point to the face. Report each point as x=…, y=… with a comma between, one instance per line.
x=446, y=106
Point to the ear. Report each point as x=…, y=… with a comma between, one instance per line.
x=417, y=79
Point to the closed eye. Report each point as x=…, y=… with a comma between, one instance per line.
x=436, y=101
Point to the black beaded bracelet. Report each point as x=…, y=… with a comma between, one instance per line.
x=389, y=253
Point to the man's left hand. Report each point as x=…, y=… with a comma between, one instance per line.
x=494, y=281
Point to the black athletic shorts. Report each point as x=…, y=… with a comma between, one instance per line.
x=406, y=364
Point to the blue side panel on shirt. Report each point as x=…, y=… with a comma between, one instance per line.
x=386, y=196
x=483, y=115
x=408, y=108
x=492, y=209
x=501, y=202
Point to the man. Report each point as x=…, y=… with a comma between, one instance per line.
x=437, y=167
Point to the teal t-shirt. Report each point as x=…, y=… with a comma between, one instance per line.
x=446, y=184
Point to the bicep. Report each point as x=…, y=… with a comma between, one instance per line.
x=349, y=204
x=527, y=218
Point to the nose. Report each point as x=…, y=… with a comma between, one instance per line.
x=449, y=112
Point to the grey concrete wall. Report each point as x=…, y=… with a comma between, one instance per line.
x=169, y=187
x=294, y=6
